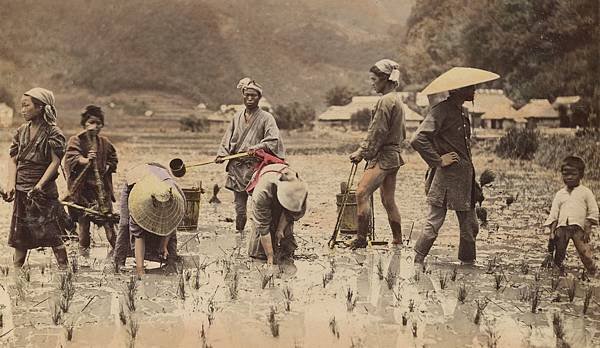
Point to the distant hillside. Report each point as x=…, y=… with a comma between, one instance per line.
x=197, y=49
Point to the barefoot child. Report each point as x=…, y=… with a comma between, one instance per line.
x=574, y=211
x=90, y=161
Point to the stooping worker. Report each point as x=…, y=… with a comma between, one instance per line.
x=90, y=161
x=443, y=141
x=35, y=154
x=152, y=206
x=278, y=199
x=381, y=149
x=251, y=129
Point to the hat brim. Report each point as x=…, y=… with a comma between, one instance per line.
x=459, y=77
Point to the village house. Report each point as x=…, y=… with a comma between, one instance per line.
x=340, y=116
x=539, y=113
x=568, y=112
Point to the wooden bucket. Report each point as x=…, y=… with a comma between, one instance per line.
x=192, y=209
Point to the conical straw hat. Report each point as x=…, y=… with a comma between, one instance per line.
x=457, y=78
x=156, y=206
x=291, y=192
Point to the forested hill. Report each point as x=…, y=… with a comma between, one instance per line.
x=542, y=48
x=199, y=49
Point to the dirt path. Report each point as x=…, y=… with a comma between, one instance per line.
x=234, y=313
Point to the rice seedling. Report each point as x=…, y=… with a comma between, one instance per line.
x=498, y=277
x=203, y=338
x=584, y=276
x=554, y=282
x=334, y=328
x=417, y=276
x=289, y=297
x=1, y=319
x=462, y=293
x=390, y=279
x=132, y=330
x=454, y=273
x=443, y=280
x=350, y=300
x=69, y=331
x=535, y=298
x=414, y=328
x=411, y=305
x=558, y=327
x=26, y=273
x=65, y=279
x=188, y=275
x=524, y=294
x=491, y=265
x=211, y=312
x=55, y=313
x=481, y=305
x=64, y=303
x=524, y=267
x=130, y=292
x=74, y=264
x=273, y=324
x=571, y=290
x=537, y=276
x=492, y=334
x=357, y=344
x=20, y=288
x=587, y=299
x=327, y=277
x=380, y=269
x=196, y=283
x=404, y=319
x=122, y=316
x=43, y=269
x=181, y=288
x=226, y=264
x=233, y=286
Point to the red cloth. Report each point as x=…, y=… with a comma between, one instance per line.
x=266, y=159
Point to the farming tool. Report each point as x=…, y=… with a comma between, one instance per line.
x=333, y=241
x=111, y=218
x=178, y=167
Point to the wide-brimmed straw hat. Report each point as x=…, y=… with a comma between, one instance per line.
x=459, y=77
x=291, y=191
x=156, y=206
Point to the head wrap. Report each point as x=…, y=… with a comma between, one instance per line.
x=247, y=82
x=46, y=97
x=389, y=67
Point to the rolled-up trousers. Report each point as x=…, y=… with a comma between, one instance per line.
x=469, y=228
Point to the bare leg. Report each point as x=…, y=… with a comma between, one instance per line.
x=19, y=258
x=60, y=252
x=372, y=178
x=140, y=250
x=84, y=236
x=387, y=191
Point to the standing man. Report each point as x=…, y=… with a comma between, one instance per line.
x=250, y=129
x=381, y=150
x=442, y=140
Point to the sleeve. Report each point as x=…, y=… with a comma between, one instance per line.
x=553, y=211
x=592, y=208
x=378, y=129
x=57, y=142
x=271, y=137
x=111, y=158
x=422, y=139
x=224, y=146
x=262, y=212
x=72, y=154
x=13, y=150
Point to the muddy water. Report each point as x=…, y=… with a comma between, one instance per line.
x=420, y=309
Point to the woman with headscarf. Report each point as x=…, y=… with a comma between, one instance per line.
x=381, y=150
x=35, y=153
x=90, y=161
